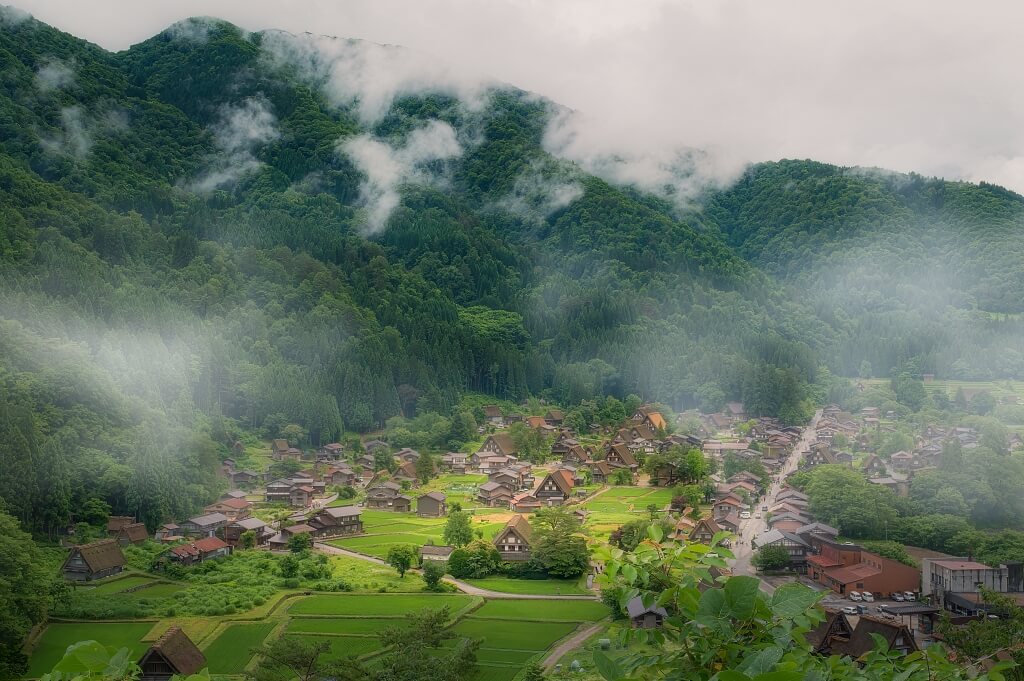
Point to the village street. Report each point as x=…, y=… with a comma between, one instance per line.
x=757, y=524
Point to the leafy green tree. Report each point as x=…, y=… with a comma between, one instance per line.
x=25, y=594
x=771, y=558
x=401, y=557
x=297, y=543
x=288, y=566
x=458, y=529
x=418, y=650
x=622, y=477
x=909, y=390
x=433, y=572
x=533, y=672
x=305, y=659
x=477, y=560
x=730, y=628
x=248, y=539
x=425, y=467
x=558, y=544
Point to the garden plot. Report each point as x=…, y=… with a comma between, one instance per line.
x=57, y=637
x=546, y=611
x=376, y=605
x=229, y=653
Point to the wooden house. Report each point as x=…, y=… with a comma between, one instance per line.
x=207, y=525
x=335, y=521
x=513, y=541
x=116, y=522
x=645, y=616
x=95, y=560
x=173, y=654
x=556, y=488
x=135, y=533
x=432, y=505
x=200, y=550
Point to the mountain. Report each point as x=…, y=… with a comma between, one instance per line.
x=216, y=233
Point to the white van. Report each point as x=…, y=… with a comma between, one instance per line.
x=855, y=596
x=868, y=597
x=745, y=515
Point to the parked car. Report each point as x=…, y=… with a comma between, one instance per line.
x=898, y=597
x=764, y=508
x=758, y=516
x=910, y=595
x=850, y=610
x=868, y=597
x=745, y=515
x=855, y=596
x=883, y=608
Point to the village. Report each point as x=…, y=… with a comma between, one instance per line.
x=728, y=477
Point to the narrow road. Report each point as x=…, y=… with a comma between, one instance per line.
x=569, y=644
x=459, y=584
x=750, y=529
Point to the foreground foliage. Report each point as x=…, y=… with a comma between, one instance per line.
x=728, y=629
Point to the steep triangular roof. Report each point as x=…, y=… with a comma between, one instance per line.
x=178, y=650
x=101, y=555
x=520, y=525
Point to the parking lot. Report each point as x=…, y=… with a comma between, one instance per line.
x=877, y=608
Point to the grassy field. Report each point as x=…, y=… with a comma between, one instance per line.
x=513, y=634
x=343, y=646
x=228, y=654
x=564, y=587
x=159, y=590
x=568, y=611
x=366, y=576
x=349, y=626
x=385, y=529
x=58, y=637
x=619, y=505
x=376, y=605
x=119, y=585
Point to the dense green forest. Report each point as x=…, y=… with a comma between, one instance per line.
x=208, y=234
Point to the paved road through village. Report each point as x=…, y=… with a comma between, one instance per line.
x=750, y=529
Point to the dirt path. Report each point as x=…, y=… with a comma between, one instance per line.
x=570, y=644
x=459, y=584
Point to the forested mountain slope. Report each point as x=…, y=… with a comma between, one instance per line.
x=217, y=230
x=904, y=267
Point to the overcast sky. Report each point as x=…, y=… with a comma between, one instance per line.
x=927, y=86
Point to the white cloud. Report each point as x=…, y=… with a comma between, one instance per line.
x=75, y=138
x=916, y=85
x=54, y=75
x=241, y=130
x=541, y=189
x=193, y=29
x=387, y=167
x=370, y=76
x=12, y=16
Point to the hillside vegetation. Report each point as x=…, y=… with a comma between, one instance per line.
x=216, y=233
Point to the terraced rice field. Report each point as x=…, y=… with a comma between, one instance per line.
x=509, y=644
x=349, y=626
x=342, y=646
x=228, y=652
x=57, y=637
x=569, y=611
x=563, y=587
x=376, y=605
